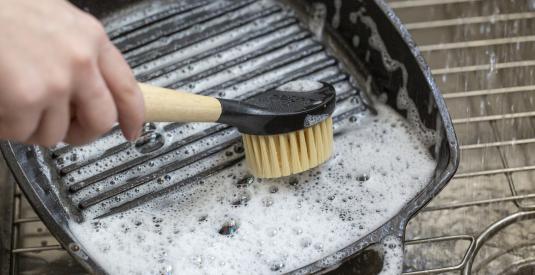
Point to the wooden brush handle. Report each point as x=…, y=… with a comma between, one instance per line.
x=166, y=105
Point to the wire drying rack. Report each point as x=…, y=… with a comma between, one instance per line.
x=482, y=53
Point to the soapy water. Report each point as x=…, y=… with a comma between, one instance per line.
x=232, y=223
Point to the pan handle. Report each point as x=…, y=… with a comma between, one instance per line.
x=391, y=249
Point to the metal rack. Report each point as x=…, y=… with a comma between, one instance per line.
x=482, y=53
x=34, y=249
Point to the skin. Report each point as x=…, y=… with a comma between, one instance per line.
x=61, y=79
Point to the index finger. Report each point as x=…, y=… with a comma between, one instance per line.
x=124, y=89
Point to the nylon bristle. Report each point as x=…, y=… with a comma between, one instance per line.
x=274, y=156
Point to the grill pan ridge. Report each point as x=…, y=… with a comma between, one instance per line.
x=56, y=199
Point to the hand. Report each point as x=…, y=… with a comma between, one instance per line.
x=61, y=79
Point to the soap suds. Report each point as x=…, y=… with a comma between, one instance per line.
x=392, y=250
x=403, y=101
x=303, y=85
x=275, y=225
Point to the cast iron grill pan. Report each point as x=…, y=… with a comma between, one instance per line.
x=184, y=26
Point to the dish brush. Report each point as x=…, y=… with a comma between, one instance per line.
x=285, y=131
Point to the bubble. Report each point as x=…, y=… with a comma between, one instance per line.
x=273, y=189
x=197, y=260
x=305, y=242
x=272, y=231
x=203, y=218
x=238, y=149
x=267, y=201
x=166, y=269
x=245, y=182
x=149, y=142
x=241, y=198
x=97, y=225
x=293, y=181
x=148, y=127
x=229, y=228
x=276, y=266
x=355, y=100
x=363, y=177
x=353, y=119
x=74, y=157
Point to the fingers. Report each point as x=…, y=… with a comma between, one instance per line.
x=94, y=108
x=21, y=107
x=53, y=125
x=77, y=135
x=20, y=126
x=48, y=71
x=124, y=89
x=73, y=87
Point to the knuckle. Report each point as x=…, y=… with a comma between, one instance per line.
x=82, y=58
x=59, y=86
x=22, y=87
x=128, y=90
x=28, y=99
x=95, y=28
x=130, y=86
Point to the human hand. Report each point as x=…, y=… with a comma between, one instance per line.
x=61, y=79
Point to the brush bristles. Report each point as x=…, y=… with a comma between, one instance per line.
x=274, y=156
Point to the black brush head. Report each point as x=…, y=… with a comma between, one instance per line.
x=291, y=107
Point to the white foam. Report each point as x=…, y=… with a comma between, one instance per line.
x=336, y=16
x=392, y=249
x=302, y=85
x=378, y=165
x=318, y=14
x=428, y=136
